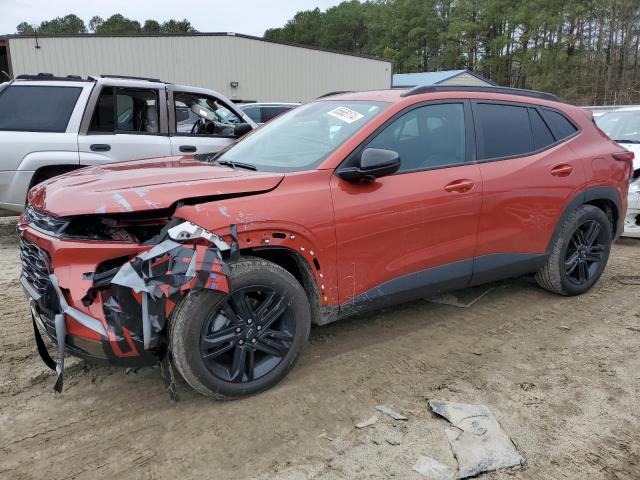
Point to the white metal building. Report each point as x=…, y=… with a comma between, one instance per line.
x=239, y=66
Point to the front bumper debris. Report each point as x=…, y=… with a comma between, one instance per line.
x=119, y=316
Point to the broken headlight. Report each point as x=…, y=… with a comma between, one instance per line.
x=134, y=228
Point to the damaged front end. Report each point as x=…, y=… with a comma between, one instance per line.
x=104, y=290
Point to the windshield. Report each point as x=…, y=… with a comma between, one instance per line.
x=623, y=127
x=302, y=138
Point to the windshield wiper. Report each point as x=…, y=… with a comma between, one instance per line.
x=626, y=141
x=229, y=163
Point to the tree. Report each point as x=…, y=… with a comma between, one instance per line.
x=67, y=24
x=119, y=24
x=151, y=26
x=26, y=29
x=176, y=26
x=95, y=23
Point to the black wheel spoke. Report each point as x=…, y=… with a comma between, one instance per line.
x=271, y=347
x=273, y=313
x=217, y=338
x=571, y=263
x=238, y=364
x=580, y=237
x=241, y=302
x=251, y=357
x=278, y=335
x=218, y=351
x=583, y=271
x=265, y=304
x=592, y=233
x=230, y=312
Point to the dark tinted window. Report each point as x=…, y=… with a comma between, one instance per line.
x=133, y=111
x=253, y=113
x=504, y=130
x=270, y=112
x=542, y=134
x=560, y=126
x=37, y=108
x=426, y=137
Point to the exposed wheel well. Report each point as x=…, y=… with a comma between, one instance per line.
x=297, y=266
x=44, y=173
x=610, y=209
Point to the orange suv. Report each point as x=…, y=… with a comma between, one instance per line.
x=218, y=265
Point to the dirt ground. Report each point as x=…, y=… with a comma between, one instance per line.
x=562, y=376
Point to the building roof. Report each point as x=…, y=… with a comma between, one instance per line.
x=432, y=78
x=194, y=34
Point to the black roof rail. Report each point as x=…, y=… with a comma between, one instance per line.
x=51, y=76
x=504, y=90
x=127, y=77
x=331, y=94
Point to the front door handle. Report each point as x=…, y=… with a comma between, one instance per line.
x=100, y=147
x=460, y=186
x=187, y=148
x=562, y=170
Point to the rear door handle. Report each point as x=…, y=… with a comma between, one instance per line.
x=562, y=170
x=100, y=147
x=187, y=148
x=460, y=186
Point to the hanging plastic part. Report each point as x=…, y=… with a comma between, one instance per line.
x=169, y=378
x=234, y=254
x=190, y=231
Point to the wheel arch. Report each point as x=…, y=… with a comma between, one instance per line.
x=48, y=171
x=296, y=265
x=605, y=198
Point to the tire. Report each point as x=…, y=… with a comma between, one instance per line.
x=216, y=360
x=571, y=267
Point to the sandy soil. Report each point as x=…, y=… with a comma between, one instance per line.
x=562, y=376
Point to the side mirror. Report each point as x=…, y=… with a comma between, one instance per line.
x=240, y=129
x=373, y=163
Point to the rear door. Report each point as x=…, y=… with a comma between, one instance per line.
x=411, y=233
x=529, y=174
x=126, y=123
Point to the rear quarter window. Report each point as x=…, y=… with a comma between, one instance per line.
x=35, y=108
x=559, y=124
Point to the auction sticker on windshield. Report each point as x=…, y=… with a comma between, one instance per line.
x=345, y=114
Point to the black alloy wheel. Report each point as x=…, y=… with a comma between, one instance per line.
x=585, y=252
x=248, y=334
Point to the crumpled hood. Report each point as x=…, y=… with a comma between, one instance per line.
x=144, y=185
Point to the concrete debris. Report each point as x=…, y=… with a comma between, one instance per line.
x=391, y=412
x=463, y=298
x=431, y=469
x=478, y=442
x=367, y=423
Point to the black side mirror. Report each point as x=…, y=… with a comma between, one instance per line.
x=240, y=129
x=373, y=163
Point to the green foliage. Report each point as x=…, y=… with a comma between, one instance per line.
x=115, y=24
x=584, y=50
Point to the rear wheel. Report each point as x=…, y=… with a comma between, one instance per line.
x=228, y=345
x=579, y=253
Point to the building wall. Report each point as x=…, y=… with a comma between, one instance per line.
x=466, y=80
x=265, y=71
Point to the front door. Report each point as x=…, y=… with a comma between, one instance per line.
x=126, y=124
x=413, y=233
x=199, y=123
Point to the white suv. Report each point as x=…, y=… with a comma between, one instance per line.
x=51, y=125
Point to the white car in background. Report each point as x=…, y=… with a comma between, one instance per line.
x=623, y=126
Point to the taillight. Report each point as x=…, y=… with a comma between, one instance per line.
x=628, y=157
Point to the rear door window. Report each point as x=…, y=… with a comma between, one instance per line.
x=34, y=108
x=502, y=131
x=542, y=135
x=131, y=111
x=560, y=125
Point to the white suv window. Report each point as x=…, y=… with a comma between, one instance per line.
x=133, y=110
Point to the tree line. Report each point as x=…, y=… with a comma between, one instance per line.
x=586, y=51
x=117, y=24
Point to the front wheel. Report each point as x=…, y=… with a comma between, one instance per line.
x=579, y=254
x=229, y=345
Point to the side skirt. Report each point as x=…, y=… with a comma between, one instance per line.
x=436, y=280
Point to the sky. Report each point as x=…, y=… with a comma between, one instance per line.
x=250, y=17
